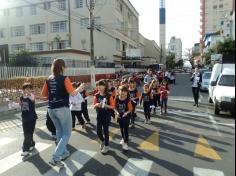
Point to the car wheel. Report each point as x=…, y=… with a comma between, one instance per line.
x=210, y=100
x=216, y=109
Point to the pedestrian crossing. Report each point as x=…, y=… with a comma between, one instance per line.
x=133, y=166
x=73, y=164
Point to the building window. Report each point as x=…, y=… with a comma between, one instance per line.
x=62, y=4
x=221, y=6
x=215, y=7
x=37, y=29
x=18, y=47
x=59, y=26
x=84, y=23
x=47, y=5
x=33, y=10
x=1, y=33
x=117, y=44
x=19, y=12
x=18, y=31
x=37, y=46
x=121, y=8
x=6, y=12
x=79, y=3
x=60, y=45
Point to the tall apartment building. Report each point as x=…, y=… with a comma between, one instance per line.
x=175, y=46
x=43, y=27
x=214, y=15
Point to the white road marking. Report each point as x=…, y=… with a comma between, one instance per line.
x=180, y=99
x=214, y=124
x=6, y=140
x=206, y=172
x=72, y=164
x=15, y=159
x=227, y=124
x=136, y=167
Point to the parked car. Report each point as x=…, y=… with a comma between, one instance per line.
x=216, y=71
x=205, y=81
x=223, y=95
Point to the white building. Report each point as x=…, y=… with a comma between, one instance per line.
x=152, y=52
x=214, y=15
x=43, y=27
x=175, y=46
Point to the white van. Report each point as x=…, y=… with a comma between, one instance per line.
x=223, y=95
x=216, y=71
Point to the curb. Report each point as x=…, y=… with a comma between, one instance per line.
x=17, y=110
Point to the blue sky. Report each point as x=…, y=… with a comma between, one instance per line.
x=183, y=20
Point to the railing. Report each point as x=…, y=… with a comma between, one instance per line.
x=14, y=72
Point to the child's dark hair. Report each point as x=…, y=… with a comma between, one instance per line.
x=131, y=81
x=27, y=86
x=109, y=81
x=146, y=85
x=123, y=89
x=75, y=85
x=103, y=83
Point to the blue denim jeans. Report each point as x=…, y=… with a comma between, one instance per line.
x=62, y=120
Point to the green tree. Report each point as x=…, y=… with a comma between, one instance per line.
x=170, y=61
x=23, y=59
x=226, y=47
x=180, y=64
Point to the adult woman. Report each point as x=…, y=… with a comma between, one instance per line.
x=57, y=89
x=196, y=84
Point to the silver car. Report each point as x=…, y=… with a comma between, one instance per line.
x=205, y=81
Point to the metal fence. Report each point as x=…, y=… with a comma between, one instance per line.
x=15, y=72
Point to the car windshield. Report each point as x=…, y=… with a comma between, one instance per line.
x=227, y=80
x=206, y=76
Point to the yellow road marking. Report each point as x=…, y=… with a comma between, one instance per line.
x=152, y=143
x=111, y=135
x=204, y=149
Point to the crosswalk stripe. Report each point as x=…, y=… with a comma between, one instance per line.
x=206, y=172
x=6, y=140
x=15, y=159
x=72, y=164
x=204, y=149
x=152, y=143
x=136, y=167
x=113, y=132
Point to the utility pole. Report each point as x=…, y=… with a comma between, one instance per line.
x=69, y=18
x=91, y=6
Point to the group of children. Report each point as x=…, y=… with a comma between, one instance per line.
x=115, y=100
x=120, y=99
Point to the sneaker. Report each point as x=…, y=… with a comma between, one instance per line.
x=24, y=154
x=122, y=142
x=165, y=112
x=54, y=137
x=125, y=147
x=102, y=145
x=145, y=121
x=132, y=126
x=31, y=148
x=64, y=157
x=161, y=113
x=84, y=126
x=149, y=121
x=56, y=163
x=194, y=105
x=105, y=149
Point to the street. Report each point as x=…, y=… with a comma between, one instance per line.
x=188, y=141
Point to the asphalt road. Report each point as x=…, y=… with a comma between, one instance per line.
x=188, y=141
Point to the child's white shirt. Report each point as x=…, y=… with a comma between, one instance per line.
x=75, y=102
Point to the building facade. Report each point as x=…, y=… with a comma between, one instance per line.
x=214, y=16
x=175, y=47
x=44, y=28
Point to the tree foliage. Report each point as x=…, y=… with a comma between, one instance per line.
x=170, y=61
x=23, y=59
x=226, y=47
